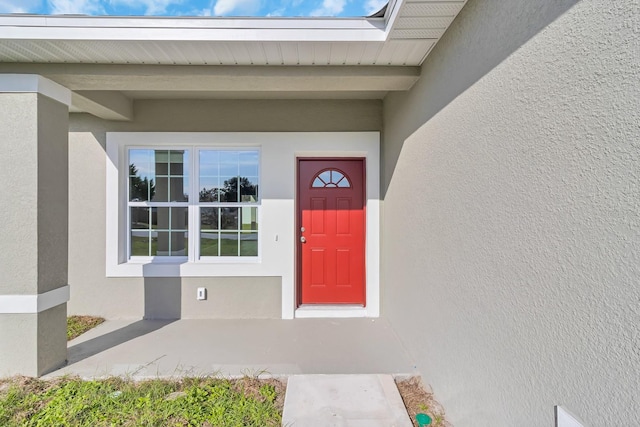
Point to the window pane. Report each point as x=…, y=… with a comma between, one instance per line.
x=209, y=189
x=179, y=218
x=229, y=190
x=336, y=176
x=139, y=218
x=229, y=244
x=225, y=176
x=169, y=218
x=248, y=244
x=248, y=163
x=209, y=218
x=160, y=243
x=179, y=244
x=160, y=218
x=165, y=243
x=325, y=176
x=161, y=193
x=177, y=190
x=171, y=175
x=229, y=163
x=228, y=218
x=209, y=158
x=209, y=243
x=249, y=219
x=228, y=176
x=139, y=243
x=141, y=175
x=249, y=189
x=331, y=179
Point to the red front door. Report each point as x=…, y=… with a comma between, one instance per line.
x=331, y=231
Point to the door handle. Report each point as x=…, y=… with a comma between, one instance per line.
x=302, y=239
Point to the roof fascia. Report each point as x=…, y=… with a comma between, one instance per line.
x=391, y=14
x=36, y=27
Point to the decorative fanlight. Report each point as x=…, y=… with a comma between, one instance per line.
x=331, y=178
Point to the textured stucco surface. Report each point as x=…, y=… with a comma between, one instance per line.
x=231, y=297
x=33, y=170
x=33, y=344
x=53, y=199
x=19, y=354
x=33, y=226
x=52, y=339
x=511, y=230
x=19, y=220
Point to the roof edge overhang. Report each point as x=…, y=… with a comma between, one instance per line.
x=101, y=28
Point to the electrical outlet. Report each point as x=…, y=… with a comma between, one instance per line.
x=201, y=294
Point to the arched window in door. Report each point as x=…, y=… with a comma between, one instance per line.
x=331, y=178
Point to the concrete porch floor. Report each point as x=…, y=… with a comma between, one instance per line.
x=154, y=348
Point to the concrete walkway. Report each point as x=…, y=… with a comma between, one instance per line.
x=344, y=400
x=345, y=358
x=146, y=348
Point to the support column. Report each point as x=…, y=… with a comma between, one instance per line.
x=34, y=132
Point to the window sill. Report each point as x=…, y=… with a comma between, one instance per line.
x=185, y=268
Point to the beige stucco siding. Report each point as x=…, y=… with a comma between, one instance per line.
x=511, y=241
x=53, y=200
x=19, y=244
x=232, y=297
x=33, y=132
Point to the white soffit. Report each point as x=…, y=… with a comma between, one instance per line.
x=403, y=37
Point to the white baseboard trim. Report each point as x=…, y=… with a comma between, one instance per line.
x=31, y=304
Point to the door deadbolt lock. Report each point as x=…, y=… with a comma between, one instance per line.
x=302, y=229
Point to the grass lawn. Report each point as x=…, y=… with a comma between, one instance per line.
x=117, y=401
x=120, y=402
x=78, y=325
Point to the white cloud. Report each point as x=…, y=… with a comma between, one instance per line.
x=152, y=7
x=276, y=13
x=226, y=7
x=87, y=7
x=199, y=12
x=329, y=8
x=374, y=6
x=19, y=6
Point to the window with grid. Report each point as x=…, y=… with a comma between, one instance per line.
x=228, y=202
x=162, y=199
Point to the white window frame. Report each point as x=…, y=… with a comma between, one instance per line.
x=193, y=205
x=119, y=261
x=130, y=205
x=196, y=190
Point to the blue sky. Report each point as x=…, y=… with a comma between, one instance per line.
x=196, y=7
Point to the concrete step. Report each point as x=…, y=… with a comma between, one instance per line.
x=344, y=401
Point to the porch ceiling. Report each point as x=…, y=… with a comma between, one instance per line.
x=151, y=57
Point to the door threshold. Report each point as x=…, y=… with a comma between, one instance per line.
x=330, y=311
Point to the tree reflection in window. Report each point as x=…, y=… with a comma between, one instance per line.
x=331, y=178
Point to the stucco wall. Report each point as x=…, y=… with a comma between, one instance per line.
x=92, y=292
x=33, y=231
x=511, y=228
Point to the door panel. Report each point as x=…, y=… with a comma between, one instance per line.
x=331, y=249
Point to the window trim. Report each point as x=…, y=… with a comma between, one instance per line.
x=119, y=264
x=193, y=205
x=257, y=204
x=126, y=188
